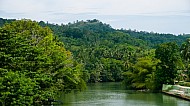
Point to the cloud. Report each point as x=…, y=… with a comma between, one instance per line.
x=119, y=13
x=135, y=7
x=104, y=7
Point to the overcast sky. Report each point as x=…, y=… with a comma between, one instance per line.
x=163, y=16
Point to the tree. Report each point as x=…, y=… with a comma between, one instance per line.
x=185, y=53
x=169, y=55
x=185, y=50
x=112, y=69
x=142, y=74
x=34, y=65
x=17, y=89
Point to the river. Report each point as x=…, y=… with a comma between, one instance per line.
x=113, y=94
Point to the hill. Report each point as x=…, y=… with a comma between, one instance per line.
x=104, y=51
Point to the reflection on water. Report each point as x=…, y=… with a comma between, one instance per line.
x=113, y=94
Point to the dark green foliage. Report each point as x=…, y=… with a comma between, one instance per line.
x=153, y=39
x=185, y=54
x=91, y=41
x=92, y=25
x=104, y=54
x=169, y=55
x=185, y=50
x=111, y=69
x=4, y=21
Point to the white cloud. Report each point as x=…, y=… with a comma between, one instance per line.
x=105, y=7
x=113, y=11
x=134, y=7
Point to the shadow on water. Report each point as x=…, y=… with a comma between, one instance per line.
x=113, y=94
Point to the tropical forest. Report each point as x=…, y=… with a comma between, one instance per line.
x=38, y=60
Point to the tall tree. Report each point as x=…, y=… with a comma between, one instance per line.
x=34, y=65
x=142, y=74
x=185, y=52
x=169, y=55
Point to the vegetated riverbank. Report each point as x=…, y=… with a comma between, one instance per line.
x=182, y=92
x=36, y=62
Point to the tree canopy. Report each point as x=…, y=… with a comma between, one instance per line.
x=34, y=65
x=34, y=53
x=169, y=55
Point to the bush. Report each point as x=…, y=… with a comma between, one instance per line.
x=184, y=84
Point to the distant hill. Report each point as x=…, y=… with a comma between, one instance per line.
x=3, y=21
x=79, y=29
x=154, y=39
x=151, y=38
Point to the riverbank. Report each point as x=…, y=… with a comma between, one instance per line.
x=178, y=91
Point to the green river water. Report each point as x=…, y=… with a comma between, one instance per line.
x=113, y=94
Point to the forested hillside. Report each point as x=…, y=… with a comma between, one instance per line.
x=153, y=39
x=142, y=60
x=106, y=52
x=102, y=50
x=51, y=58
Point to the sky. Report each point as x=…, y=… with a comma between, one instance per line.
x=162, y=16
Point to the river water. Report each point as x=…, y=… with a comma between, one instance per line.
x=113, y=94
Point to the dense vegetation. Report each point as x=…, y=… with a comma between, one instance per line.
x=153, y=39
x=97, y=53
x=34, y=65
x=92, y=42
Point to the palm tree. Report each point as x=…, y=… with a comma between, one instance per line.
x=185, y=52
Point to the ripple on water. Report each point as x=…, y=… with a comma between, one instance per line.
x=110, y=94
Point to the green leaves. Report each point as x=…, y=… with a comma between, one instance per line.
x=34, y=65
x=16, y=89
x=142, y=74
x=169, y=55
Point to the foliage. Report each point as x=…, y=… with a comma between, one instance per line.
x=169, y=55
x=142, y=74
x=103, y=50
x=5, y=21
x=153, y=39
x=91, y=40
x=99, y=54
x=16, y=89
x=184, y=84
x=185, y=54
x=34, y=64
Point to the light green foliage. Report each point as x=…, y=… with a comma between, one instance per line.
x=16, y=89
x=142, y=74
x=35, y=65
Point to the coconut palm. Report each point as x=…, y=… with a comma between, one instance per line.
x=185, y=53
